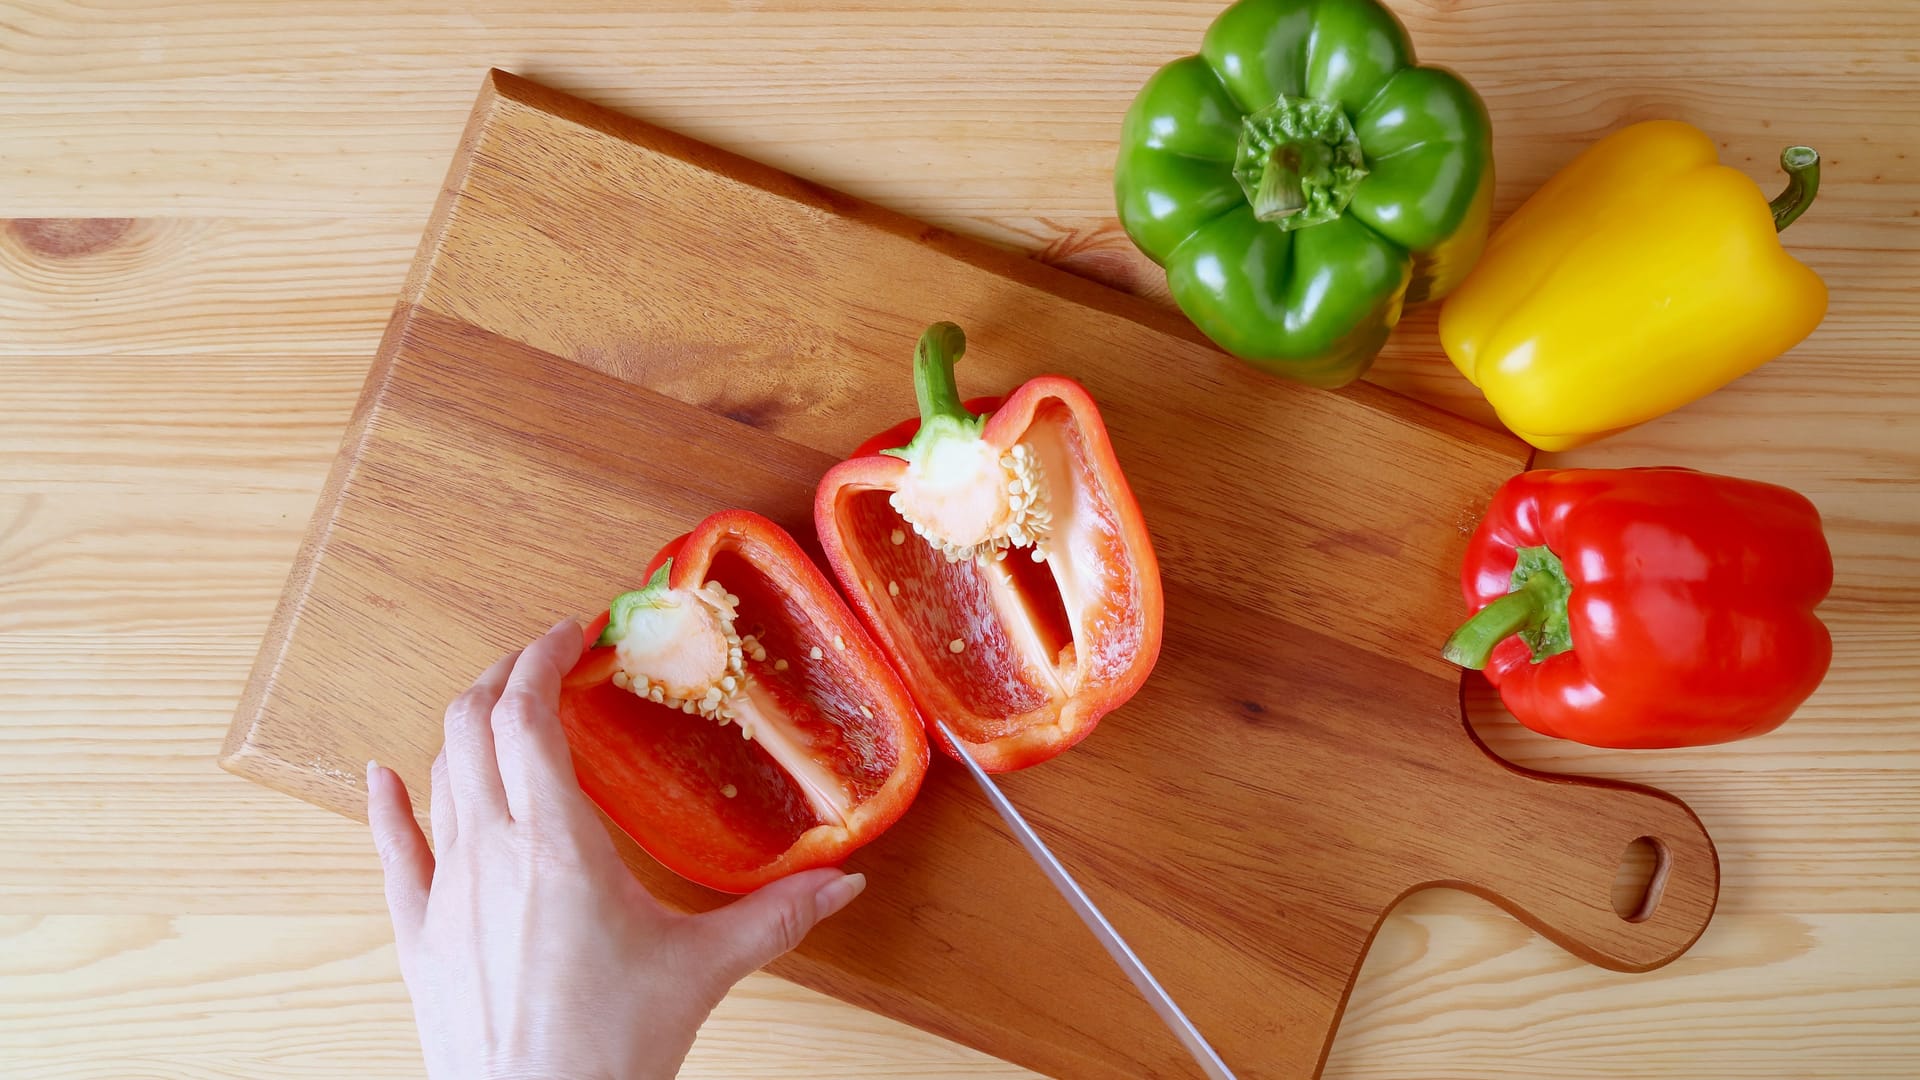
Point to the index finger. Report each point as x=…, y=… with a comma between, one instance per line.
x=535, y=764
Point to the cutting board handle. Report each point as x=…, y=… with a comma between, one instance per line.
x=1555, y=867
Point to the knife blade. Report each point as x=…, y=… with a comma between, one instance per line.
x=1090, y=914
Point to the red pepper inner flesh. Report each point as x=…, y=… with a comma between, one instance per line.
x=821, y=699
x=684, y=763
x=934, y=603
x=1045, y=612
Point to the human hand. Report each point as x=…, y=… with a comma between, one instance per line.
x=526, y=944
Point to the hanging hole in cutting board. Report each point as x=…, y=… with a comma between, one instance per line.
x=1640, y=879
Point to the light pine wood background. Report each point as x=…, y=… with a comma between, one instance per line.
x=173, y=386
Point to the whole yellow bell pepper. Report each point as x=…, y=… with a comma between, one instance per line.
x=1641, y=277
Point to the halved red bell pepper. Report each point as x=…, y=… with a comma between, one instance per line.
x=1001, y=560
x=1647, y=607
x=735, y=718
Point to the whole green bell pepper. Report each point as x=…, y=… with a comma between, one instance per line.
x=1302, y=180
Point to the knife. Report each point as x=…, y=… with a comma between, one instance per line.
x=1083, y=906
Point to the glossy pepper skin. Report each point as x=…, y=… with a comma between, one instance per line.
x=1647, y=607
x=1641, y=277
x=717, y=808
x=1044, y=648
x=1301, y=180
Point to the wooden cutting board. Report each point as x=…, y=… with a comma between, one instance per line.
x=612, y=330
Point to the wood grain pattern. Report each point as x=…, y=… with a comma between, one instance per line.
x=1248, y=852
x=274, y=170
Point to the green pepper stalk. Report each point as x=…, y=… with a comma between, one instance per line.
x=1298, y=162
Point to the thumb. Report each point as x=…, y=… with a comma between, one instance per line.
x=752, y=932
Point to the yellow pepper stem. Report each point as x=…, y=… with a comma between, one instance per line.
x=1802, y=166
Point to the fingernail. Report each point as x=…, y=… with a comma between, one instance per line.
x=569, y=623
x=373, y=769
x=838, y=893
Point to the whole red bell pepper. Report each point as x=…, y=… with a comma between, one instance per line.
x=733, y=716
x=1001, y=560
x=1647, y=607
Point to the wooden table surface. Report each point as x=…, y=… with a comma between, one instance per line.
x=214, y=205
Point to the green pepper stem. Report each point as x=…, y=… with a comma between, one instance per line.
x=1472, y=645
x=934, y=388
x=1298, y=162
x=1280, y=193
x=1802, y=166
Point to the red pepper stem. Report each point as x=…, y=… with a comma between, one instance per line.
x=620, y=613
x=942, y=414
x=1472, y=645
x=934, y=387
x=1802, y=166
